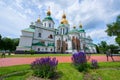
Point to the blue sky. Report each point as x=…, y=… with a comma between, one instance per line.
x=16, y=15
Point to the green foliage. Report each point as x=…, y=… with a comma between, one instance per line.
x=97, y=49
x=103, y=47
x=113, y=29
x=113, y=48
x=80, y=62
x=44, y=67
x=8, y=43
x=32, y=52
x=117, y=39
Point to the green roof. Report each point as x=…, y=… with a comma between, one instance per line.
x=81, y=30
x=91, y=44
x=29, y=30
x=73, y=31
x=86, y=48
x=39, y=44
x=50, y=44
x=48, y=18
x=62, y=25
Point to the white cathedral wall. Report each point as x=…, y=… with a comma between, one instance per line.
x=69, y=46
x=43, y=48
x=39, y=24
x=44, y=34
x=25, y=33
x=25, y=41
x=47, y=24
x=75, y=35
x=22, y=48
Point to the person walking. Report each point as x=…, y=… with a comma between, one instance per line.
x=109, y=54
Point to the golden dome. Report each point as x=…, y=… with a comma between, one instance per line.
x=48, y=12
x=74, y=27
x=38, y=20
x=64, y=16
x=80, y=25
x=64, y=20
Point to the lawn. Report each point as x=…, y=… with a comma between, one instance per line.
x=66, y=71
x=44, y=55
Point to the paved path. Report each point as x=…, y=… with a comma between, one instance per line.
x=61, y=59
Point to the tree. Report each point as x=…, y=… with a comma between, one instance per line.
x=97, y=49
x=113, y=29
x=113, y=48
x=103, y=47
x=15, y=43
x=0, y=42
x=7, y=44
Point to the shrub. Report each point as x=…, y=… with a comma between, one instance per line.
x=44, y=67
x=80, y=61
x=94, y=64
x=32, y=52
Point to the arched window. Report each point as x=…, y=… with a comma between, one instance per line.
x=66, y=40
x=45, y=24
x=49, y=24
x=50, y=36
x=39, y=34
x=38, y=49
x=63, y=31
x=50, y=49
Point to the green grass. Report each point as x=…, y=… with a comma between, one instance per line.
x=68, y=72
x=106, y=71
x=44, y=55
x=37, y=55
x=11, y=69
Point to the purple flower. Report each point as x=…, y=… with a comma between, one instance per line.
x=44, y=67
x=94, y=63
x=79, y=58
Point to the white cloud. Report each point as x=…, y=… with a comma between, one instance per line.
x=92, y=14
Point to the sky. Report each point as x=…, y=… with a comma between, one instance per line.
x=16, y=15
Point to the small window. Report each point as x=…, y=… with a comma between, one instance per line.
x=45, y=24
x=38, y=49
x=39, y=34
x=50, y=49
x=50, y=36
x=66, y=48
x=49, y=24
x=66, y=40
x=63, y=31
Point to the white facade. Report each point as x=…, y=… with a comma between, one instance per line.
x=41, y=36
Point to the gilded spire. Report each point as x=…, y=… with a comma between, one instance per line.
x=48, y=12
x=80, y=25
x=64, y=16
x=38, y=20
x=64, y=20
x=74, y=26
